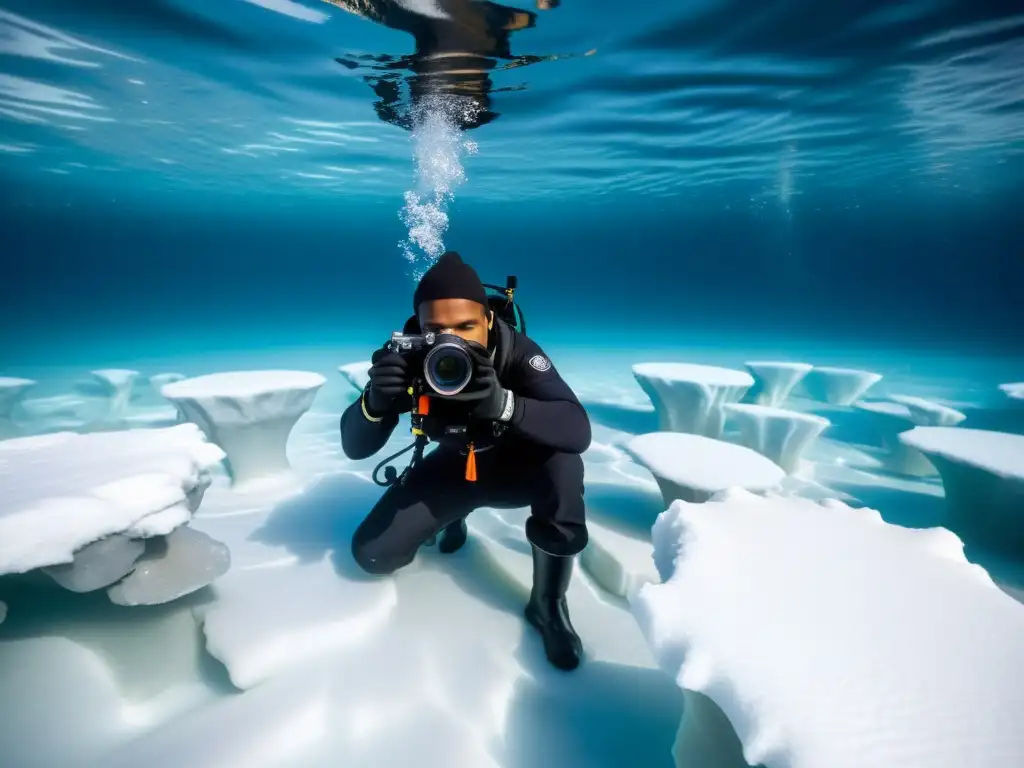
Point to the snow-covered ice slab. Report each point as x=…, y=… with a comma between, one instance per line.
x=983, y=477
x=774, y=381
x=830, y=638
x=694, y=468
x=776, y=433
x=63, y=491
x=689, y=397
x=839, y=386
x=99, y=564
x=249, y=414
x=174, y=566
x=356, y=374
x=117, y=384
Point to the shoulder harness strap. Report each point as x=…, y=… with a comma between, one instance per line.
x=504, y=346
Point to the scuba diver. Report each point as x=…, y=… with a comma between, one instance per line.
x=509, y=432
x=458, y=43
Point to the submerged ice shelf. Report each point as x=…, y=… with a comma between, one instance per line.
x=830, y=638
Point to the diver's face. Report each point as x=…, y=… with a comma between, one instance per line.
x=461, y=317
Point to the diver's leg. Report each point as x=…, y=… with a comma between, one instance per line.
x=557, y=532
x=453, y=537
x=434, y=494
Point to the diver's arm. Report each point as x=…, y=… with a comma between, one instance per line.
x=364, y=433
x=546, y=410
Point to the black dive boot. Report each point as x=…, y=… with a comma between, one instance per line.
x=548, y=612
x=453, y=537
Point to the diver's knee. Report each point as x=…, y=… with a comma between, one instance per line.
x=565, y=468
x=374, y=563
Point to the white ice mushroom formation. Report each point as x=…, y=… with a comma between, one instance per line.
x=806, y=635
x=839, y=386
x=356, y=374
x=903, y=413
x=77, y=506
x=117, y=384
x=160, y=380
x=1014, y=391
x=694, y=468
x=983, y=478
x=781, y=435
x=12, y=392
x=926, y=413
x=249, y=414
x=774, y=381
x=689, y=397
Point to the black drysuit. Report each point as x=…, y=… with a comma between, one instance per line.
x=535, y=461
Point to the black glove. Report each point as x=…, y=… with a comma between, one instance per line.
x=390, y=378
x=486, y=398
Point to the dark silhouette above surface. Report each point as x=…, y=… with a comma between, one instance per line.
x=458, y=43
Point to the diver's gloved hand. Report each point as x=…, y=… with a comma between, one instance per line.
x=390, y=377
x=487, y=399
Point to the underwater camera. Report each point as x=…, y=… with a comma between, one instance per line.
x=447, y=362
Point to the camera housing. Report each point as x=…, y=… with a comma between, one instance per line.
x=447, y=365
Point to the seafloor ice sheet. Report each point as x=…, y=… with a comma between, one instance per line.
x=439, y=668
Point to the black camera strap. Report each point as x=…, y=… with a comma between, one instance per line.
x=391, y=476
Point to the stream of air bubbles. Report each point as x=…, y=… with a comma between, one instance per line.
x=438, y=148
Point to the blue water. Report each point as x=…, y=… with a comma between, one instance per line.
x=206, y=174
x=212, y=185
